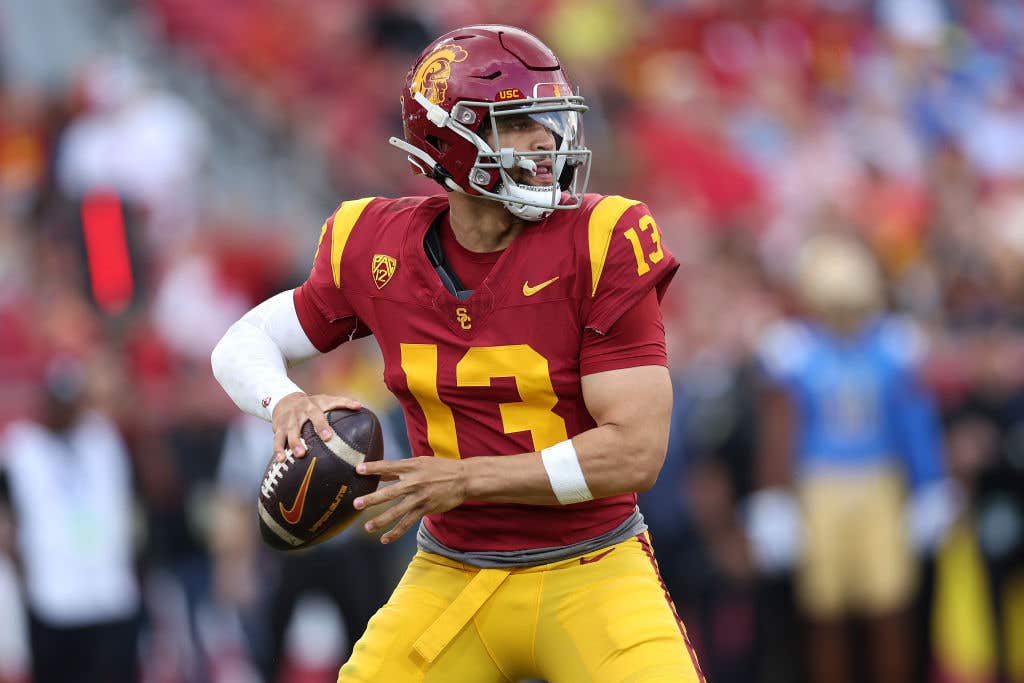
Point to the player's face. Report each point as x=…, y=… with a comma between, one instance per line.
x=526, y=134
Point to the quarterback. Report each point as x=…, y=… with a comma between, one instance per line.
x=519, y=321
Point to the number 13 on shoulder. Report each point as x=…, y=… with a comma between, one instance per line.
x=646, y=223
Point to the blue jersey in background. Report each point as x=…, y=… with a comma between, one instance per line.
x=858, y=400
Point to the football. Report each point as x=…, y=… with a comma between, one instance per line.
x=305, y=501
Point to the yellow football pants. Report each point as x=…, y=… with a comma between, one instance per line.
x=604, y=617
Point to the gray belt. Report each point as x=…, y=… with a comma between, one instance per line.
x=633, y=524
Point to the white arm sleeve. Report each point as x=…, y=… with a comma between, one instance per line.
x=250, y=361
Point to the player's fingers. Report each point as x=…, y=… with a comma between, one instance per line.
x=381, y=495
x=321, y=426
x=390, y=516
x=385, y=468
x=404, y=524
x=279, y=444
x=296, y=443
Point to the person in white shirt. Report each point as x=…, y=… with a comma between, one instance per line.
x=67, y=481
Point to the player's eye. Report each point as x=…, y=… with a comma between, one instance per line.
x=517, y=123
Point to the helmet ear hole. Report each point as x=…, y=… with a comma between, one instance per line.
x=437, y=143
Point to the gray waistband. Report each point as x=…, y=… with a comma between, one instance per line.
x=487, y=559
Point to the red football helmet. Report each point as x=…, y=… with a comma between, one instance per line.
x=458, y=89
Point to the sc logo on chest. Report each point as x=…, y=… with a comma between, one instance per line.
x=462, y=317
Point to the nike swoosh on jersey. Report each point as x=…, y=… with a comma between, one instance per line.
x=530, y=291
x=293, y=514
x=596, y=558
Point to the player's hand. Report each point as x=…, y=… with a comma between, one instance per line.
x=294, y=410
x=425, y=486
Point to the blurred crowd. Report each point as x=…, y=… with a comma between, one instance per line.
x=883, y=139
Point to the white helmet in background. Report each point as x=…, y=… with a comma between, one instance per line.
x=837, y=273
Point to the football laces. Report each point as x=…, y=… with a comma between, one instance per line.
x=277, y=471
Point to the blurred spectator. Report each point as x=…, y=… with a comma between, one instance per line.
x=994, y=142
x=69, y=486
x=144, y=143
x=191, y=331
x=979, y=584
x=24, y=148
x=848, y=426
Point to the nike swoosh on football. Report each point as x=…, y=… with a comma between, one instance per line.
x=595, y=558
x=293, y=514
x=530, y=291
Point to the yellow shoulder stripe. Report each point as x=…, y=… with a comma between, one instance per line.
x=599, y=232
x=345, y=218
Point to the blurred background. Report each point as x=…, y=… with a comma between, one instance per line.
x=843, y=180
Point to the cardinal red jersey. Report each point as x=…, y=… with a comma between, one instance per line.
x=499, y=373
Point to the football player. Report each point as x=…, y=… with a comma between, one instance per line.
x=520, y=326
x=852, y=455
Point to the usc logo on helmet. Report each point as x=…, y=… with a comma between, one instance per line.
x=432, y=76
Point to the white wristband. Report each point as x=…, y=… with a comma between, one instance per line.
x=564, y=473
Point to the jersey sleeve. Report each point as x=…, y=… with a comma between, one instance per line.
x=324, y=310
x=784, y=353
x=637, y=338
x=911, y=409
x=625, y=258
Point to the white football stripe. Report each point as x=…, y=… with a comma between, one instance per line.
x=344, y=451
x=278, y=530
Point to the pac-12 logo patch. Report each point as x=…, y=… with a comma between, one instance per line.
x=382, y=268
x=432, y=76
